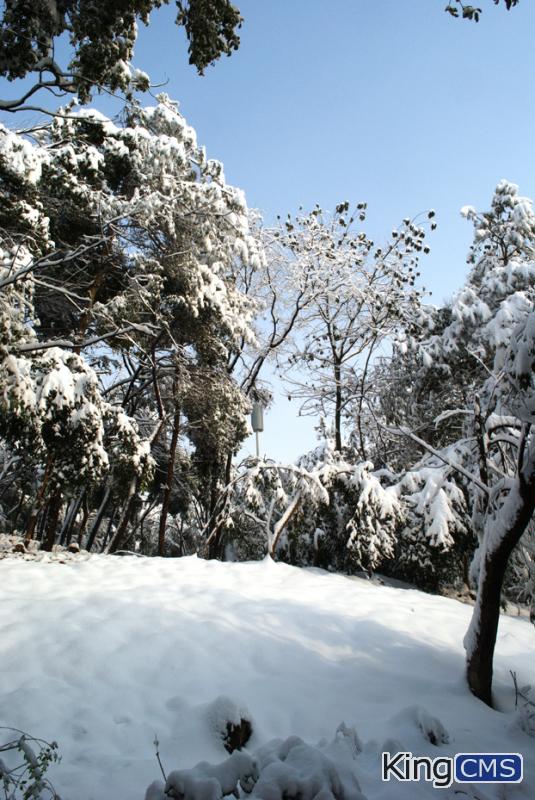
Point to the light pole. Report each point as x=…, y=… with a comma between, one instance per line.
x=257, y=422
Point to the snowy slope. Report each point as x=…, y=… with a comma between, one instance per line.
x=102, y=654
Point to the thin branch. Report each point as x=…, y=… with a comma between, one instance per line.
x=31, y=347
x=453, y=464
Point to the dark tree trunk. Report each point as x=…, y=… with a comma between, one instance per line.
x=32, y=521
x=214, y=531
x=67, y=522
x=41, y=522
x=119, y=537
x=70, y=517
x=168, y=482
x=97, y=522
x=338, y=408
x=216, y=547
x=54, y=507
x=85, y=517
x=120, y=534
x=218, y=501
x=513, y=519
x=108, y=531
x=17, y=513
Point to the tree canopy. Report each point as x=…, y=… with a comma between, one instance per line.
x=467, y=11
x=102, y=36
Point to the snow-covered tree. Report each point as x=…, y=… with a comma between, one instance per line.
x=279, y=307
x=357, y=295
x=435, y=545
x=410, y=388
x=493, y=322
x=508, y=507
x=357, y=527
x=262, y=499
x=120, y=245
x=323, y=511
x=53, y=413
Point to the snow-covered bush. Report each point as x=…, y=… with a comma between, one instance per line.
x=323, y=511
x=435, y=544
x=24, y=764
x=280, y=770
x=262, y=499
x=519, y=579
x=355, y=526
x=230, y=722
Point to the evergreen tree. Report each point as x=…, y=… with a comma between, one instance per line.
x=120, y=243
x=492, y=322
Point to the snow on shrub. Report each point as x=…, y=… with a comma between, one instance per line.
x=325, y=507
x=51, y=403
x=230, y=722
x=279, y=770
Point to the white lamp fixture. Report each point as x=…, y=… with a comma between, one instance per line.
x=257, y=423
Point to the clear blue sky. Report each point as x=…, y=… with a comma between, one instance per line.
x=388, y=101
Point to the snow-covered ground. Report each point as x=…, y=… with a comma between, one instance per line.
x=101, y=654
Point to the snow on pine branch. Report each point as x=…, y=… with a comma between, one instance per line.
x=278, y=498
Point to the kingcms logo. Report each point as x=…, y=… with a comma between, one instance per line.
x=461, y=768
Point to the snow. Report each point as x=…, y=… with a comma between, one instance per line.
x=20, y=158
x=468, y=212
x=103, y=654
x=215, y=780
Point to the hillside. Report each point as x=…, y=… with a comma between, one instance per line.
x=101, y=654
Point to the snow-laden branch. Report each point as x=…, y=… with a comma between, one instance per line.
x=66, y=344
x=403, y=431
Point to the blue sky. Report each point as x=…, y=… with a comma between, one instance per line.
x=387, y=101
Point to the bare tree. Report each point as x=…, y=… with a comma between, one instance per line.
x=355, y=296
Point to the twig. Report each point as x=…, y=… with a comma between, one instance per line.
x=157, y=745
x=515, y=683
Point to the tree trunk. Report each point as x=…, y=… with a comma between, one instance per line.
x=54, y=507
x=85, y=517
x=363, y=380
x=120, y=534
x=338, y=408
x=17, y=512
x=41, y=522
x=215, y=538
x=70, y=518
x=107, y=535
x=67, y=522
x=30, y=528
x=502, y=534
x=273, y=540
x=169, y=482
x=216, y=504
x=97, y=522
